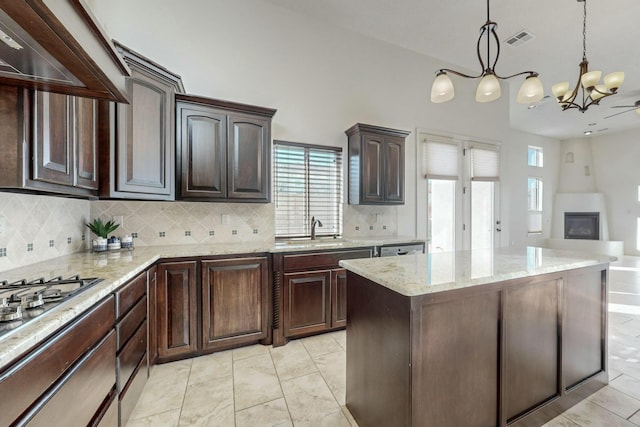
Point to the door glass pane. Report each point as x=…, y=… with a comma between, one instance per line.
x=482, y=215
x=441, y=215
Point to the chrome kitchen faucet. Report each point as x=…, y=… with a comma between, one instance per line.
x=314, y=222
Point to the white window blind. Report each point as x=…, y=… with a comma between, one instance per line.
x=441, y=159
x=308, y=183
x=485, y=164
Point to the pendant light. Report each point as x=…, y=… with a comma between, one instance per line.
x=588, y=84
x=489, y=86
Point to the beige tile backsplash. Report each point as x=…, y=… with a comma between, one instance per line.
x=162, y=223
x=361, y=221
x=35, y=228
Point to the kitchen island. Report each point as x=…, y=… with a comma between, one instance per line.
x=475, y=338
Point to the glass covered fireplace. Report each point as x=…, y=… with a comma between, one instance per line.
x=582, y=225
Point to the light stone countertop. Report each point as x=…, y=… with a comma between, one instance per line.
x=421, y=274
x=119, y=267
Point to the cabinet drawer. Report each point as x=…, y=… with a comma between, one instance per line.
x=129, y=397
x=130, y=293
x=37, y=371
x=130, y=322
x=322, y=259
x=130, y=355
x=92, y=380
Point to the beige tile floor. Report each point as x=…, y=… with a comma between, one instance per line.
x=303, y=383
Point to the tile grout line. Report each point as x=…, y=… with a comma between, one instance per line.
x=284, y=397
x=325, y=380
x=184, y=396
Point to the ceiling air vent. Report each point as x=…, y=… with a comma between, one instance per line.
x=519, y=38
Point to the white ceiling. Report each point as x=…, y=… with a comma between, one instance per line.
x=448, y=30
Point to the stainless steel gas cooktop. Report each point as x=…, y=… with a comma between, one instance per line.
x=24, y=300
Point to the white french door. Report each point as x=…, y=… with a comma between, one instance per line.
x=462, y=201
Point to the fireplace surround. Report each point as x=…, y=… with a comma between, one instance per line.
x=582, y=225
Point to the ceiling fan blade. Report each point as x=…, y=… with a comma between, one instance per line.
x=621, y=112
x=623, y=106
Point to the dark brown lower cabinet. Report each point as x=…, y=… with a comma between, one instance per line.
x=310, y=292
x=235, y=302
x=339, y=298
x=513, y=353
x=212, y=304
x=307, y=302
x=78, y=360
x=177, y=311
x=152, y=318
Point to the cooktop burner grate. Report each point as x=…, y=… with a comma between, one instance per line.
x=23, y=300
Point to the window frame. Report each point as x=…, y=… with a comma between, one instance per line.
x=338, y=181
x=538, y=158
x=539, y=204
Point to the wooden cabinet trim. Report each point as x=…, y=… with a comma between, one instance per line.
x=41, y=368
x=93, y=377
x=314, y=260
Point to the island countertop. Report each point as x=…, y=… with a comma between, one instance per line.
x=421, y=274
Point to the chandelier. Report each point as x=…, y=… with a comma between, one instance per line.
x=591, y=92
x=489, y=87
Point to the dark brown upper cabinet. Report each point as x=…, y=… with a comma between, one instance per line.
x=49, y=143
x=376, y=165
x=223, y=149
x=138, y=139
x=58, y=46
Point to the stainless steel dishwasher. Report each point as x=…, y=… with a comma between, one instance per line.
x=401, y=249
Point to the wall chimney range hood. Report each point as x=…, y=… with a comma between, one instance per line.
x=58, y=46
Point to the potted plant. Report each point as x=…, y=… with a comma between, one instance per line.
x=102, y=230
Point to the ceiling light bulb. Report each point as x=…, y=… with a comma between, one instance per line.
x=488, y=89
x=590, y=79
x=599, y=92
x=638, y=111
x=588, y=132
x=530, y=91
x=614, y=80
x=560, y=89
x=442, y=89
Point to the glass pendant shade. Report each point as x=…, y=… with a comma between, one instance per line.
x=530, y=91
x=599, y=92
x=560, y=89
x=442, y=89
x=488, y=89
x=613, y=81
x=590, y=79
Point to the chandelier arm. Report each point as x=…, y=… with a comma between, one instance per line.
x=530, y=73
x=483, y=31
x=449, y=70
x=492, y=26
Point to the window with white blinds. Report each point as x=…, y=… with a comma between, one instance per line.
x=441, y=159
x=485, y=164
x=307, y=184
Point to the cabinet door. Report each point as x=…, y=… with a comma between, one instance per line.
x=339, y=298
x=307, y=302
x=144, y=147
x=372, y=168
x=394, y=170
x=234, y=301
x=86, y=142
x=177, y=309
x=52, y=138
x=152, y=350
x=203, y=152
x=249, y=157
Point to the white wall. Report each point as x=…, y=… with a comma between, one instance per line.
x=615, y=159
x=514, y=187
x=321, y=79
